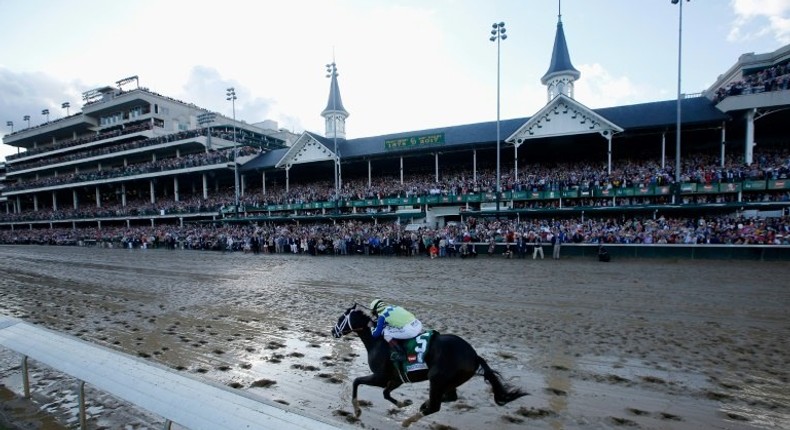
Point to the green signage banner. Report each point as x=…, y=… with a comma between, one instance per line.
x=754, y=185
x=415, y=141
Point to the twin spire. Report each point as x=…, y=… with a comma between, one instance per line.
x=561, y=74
x=335, y=114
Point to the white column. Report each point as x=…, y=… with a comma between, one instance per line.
x=401, y=170
x=35, y=203
x=242, y=186
x=287, y=178
x=123, y=195
x=205, y=186
x=369, y=174
x=515, y=162
x=151, y=188
x=175, y=189
x=663, y=150
x=74, y=198
x=749, y=150
x=54, y=201
x=98, y=197
x=263, y=181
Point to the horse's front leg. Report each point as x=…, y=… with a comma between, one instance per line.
x=374, y=380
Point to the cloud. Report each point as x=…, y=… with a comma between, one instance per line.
x=598, y=88
x=206, y=87
x=760, y=18
x=30, y=93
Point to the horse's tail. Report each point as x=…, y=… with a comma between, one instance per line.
x=503, y=393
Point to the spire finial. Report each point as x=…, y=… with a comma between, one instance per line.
x=559, y=10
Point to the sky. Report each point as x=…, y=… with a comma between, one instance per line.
x=403, y=65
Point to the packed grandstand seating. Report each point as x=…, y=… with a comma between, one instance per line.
x=355, y=236
x=776, y=78
x=702, y=169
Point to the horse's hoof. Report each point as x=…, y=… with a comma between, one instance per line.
x=357, y=410
x=404, y=403
x=412, y=419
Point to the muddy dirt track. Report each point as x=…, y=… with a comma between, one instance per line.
x=652, y=344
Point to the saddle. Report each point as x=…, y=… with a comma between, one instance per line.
x=414, y=360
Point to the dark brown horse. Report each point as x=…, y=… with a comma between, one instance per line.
x=451, y=362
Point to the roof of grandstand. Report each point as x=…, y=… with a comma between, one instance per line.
x=652, y=115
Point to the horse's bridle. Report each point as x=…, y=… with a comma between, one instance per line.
x=339, y=327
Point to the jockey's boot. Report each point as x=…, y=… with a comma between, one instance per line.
x=396, y=351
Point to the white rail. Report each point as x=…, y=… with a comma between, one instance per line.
x=178, y=398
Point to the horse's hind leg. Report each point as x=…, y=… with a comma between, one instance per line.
x=432, y=405
x=450, y=396
x=391, y=386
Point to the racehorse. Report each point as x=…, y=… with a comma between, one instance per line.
x=451, y=361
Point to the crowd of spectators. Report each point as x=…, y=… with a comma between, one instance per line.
x=776, y=78
x=769, y=164
x=129, y=129
x=222, y=156
x=700, y=169
x=363, y=237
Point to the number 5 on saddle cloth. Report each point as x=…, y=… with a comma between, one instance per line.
x=415, y=348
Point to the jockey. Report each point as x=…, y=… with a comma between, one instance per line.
x=394, y=322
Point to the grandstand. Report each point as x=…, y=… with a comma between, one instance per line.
x=135, y=158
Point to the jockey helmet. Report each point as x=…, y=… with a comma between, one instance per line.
x=376, y=306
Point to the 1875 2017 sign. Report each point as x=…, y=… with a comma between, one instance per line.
x=414, y=141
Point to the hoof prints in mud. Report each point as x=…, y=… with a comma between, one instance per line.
x=669, y=417
x=263, y=383
x=535, y=413
x=275, y=358
x=642, y=413
x=275, y=345
x=330, y=378
x=736, y=417
x=348, y=416
x=304, y=367
x=437, y=426
x=623, y=422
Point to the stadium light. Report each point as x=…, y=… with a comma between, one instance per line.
x=231, y=95
x=27, y=118
x=205, y=119
x=45, y=112
x=10, y=124
x=331, y=70
x=498, y=35
x=677, y=132
x=66, y=105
